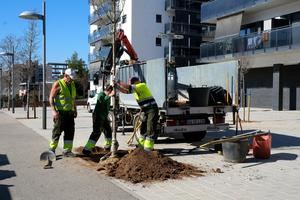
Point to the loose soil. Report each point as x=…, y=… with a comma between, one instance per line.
x=141, y=166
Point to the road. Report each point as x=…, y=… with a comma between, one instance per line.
x=22, y=175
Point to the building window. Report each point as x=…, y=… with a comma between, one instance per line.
x=158, y=18
x=158, y=42
x=124, y=19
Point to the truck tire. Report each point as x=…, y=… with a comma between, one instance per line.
x=194, y=136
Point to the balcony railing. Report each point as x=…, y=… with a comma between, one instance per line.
x=182, y=5
x=102, y=33
x=268, y=41
x=100, y=55
x=99, y=13
x=180, y=28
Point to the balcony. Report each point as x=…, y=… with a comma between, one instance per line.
x=267, y=42
x=181, y=28
x=216, y=9
x=100, y=55
x=100, y=15
x=193, y=6
x=97, y=2
x=102, y=34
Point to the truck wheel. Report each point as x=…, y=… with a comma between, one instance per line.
x=194, y=136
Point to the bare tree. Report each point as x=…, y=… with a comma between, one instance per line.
x=10, y=44
x=113, y=14
x=29, y=49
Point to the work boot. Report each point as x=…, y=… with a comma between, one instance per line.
x=86, y=152
x=68, y=154
x=141, y=141
x=107, y=144
x=148, y=144
x=106, y=147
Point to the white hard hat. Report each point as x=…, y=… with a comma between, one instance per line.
x=70, y=72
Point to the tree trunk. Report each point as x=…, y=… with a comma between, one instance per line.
x=28, y=94
x=114, y=131
x=8, y=92
x=34, y=104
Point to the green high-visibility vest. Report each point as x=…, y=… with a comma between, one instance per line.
x=66, y=98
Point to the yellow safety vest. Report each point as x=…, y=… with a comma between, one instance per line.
x=144, y=97
x=65, y=100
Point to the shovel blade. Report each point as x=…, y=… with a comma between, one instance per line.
x=47, y=156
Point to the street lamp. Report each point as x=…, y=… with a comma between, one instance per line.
x=170, y=37
x=12, y=77
x=35, y=16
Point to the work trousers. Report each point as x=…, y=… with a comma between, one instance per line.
x=100, y=125
x=149, y=123
x=66, y=124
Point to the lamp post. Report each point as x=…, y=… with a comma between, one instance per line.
x=35, y=16
x=12, y=54
x=1, y=86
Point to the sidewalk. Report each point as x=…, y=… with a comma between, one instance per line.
x=22, y=175
x=274, y=178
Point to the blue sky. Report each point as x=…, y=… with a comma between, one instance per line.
x=66, y=25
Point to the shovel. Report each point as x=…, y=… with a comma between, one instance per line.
x=48, y=156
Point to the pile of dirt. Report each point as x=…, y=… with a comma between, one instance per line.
x=141, y=166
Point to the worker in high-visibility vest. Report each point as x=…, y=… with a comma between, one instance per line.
x=62, y=102
x=100, y=122
x=148, y=106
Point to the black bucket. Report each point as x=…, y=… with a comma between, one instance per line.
x=198, y=96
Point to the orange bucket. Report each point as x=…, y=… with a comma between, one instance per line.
x=262, y=146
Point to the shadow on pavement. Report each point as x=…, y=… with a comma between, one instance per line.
x=281, y=140
x=183, y=152
x=274, y=158
x=4, y=192
x=3, y=160
x=5, y=174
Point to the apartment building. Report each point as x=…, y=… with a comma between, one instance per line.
x=264, y=36
x=142, y=22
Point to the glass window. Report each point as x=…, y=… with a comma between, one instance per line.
x=158, y=41
x=124, y=19
x=158, y=18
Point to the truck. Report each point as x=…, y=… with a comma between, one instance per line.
x=187, y=105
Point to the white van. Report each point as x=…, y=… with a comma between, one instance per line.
x=92, y=100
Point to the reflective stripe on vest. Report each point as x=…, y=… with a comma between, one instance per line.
x=143, y=96
x=65, y=101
